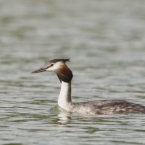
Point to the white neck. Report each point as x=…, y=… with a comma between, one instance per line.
x=64, y=99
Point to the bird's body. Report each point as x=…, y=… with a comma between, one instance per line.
x=92, y=107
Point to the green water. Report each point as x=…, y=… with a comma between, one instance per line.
x=105, y=41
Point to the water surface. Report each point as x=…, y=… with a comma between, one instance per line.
x=105, y=41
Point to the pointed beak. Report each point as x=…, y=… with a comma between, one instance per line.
x=42, y=69
x=39, y=70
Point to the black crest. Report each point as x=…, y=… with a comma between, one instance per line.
x=57, y=60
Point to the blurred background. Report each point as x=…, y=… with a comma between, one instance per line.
x=105, y=41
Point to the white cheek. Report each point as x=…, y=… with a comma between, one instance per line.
x=55, y=67
x=50, y=69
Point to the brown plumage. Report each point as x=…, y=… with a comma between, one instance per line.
x=64, y=73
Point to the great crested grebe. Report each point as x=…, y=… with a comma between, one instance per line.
x=92, y=107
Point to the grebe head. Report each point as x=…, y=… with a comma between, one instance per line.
x=59, y=67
